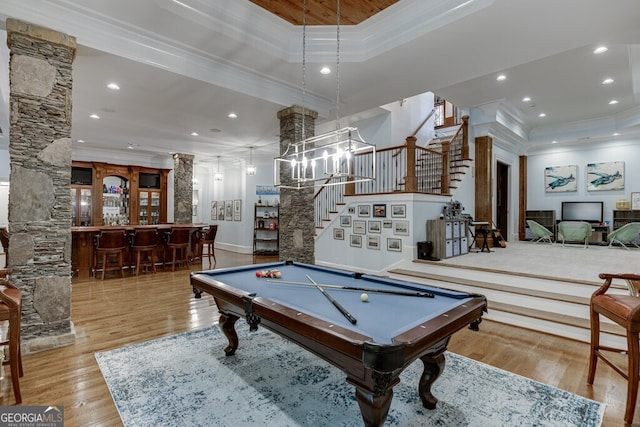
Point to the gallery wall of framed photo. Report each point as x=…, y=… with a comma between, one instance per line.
x=373, y=226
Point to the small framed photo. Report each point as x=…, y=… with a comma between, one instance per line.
x=221, y=210
x=355, y=241
x=635, y=201
x=228, y=210
x=386, y=223
x=338, y=233
x=380, y=211
x=375, y=227
x=394, y=245
x=237, y=206
x=401, y=228
x=364, y=210
x=360, y=227
x=214, y=211
x=373, y=242
x=345, y=221
x=398, y=211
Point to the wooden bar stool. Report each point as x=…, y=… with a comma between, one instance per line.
x=177, y=242
x=623, y=309
x=209, y=240
x=144, y=244
x=11, y=311
x=4, y=240
x=109, y=249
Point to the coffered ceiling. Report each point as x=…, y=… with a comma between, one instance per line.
x=183, y=66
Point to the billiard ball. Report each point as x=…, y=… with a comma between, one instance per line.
x=364, y=297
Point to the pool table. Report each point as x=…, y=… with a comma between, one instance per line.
x=391, y=329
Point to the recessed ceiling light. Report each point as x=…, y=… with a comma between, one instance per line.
x=130, y=147
x=613, y=102
x=215, y=130
x=233, y=116
x=616, y=134
x=542, y=115
x=600, y=49
x=94, y=116
x=81, y=141
x=554, y=142
x=113, y=86
x=526, y=99
x=194, y=133
x=325, y=70
x=501, y=77
x=607, y=81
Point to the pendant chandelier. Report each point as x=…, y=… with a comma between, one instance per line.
x=218, y=175
x=326, y=159
x=251, y=169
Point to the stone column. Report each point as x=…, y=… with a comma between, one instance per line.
x=40, y=186
x=297, y=226
x=183, y=188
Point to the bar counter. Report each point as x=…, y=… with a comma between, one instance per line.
x=82, y=243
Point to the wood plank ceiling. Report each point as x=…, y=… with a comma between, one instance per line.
x=323, y=12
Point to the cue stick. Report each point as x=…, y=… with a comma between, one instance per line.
x=351, y=288
x=343, y=310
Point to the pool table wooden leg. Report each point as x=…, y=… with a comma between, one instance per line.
x=227, y=323
x=433, y=367
x=374, y=408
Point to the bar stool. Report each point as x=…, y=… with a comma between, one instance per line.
x=623, y=309
x=144, y=244
x=209, y=240
x=177, y=242
x=109, y=248
x=4, y=240
x=11, y=311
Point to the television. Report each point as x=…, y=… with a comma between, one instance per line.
x=591, y=212
x=149, y=180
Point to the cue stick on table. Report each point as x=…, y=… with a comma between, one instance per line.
x=343, y=310
x=351, y=288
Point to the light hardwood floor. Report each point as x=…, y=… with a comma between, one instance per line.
x=116, y=312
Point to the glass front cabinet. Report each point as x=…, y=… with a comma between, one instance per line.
x=81, y=200
x=105, y=194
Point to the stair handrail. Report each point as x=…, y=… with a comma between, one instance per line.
x=433, y=111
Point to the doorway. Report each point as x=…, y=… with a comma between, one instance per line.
x=502, y=199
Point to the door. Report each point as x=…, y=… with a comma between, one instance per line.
x=502, y=198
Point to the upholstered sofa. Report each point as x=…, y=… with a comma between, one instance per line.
x=575, y=231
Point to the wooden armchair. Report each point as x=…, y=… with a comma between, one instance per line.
x=623, y=309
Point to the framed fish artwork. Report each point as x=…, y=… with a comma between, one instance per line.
x=605, y=176
x=560, y=179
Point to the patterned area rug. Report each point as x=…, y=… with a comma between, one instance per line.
x=185, y=380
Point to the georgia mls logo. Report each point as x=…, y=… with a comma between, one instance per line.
x=31, y=416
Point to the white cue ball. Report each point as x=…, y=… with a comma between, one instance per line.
x=364, y=297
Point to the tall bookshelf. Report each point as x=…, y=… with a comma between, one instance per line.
x=266, y=230
x=546, y=218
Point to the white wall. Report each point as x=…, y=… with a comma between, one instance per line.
x=626, y=150
x=235, y=236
